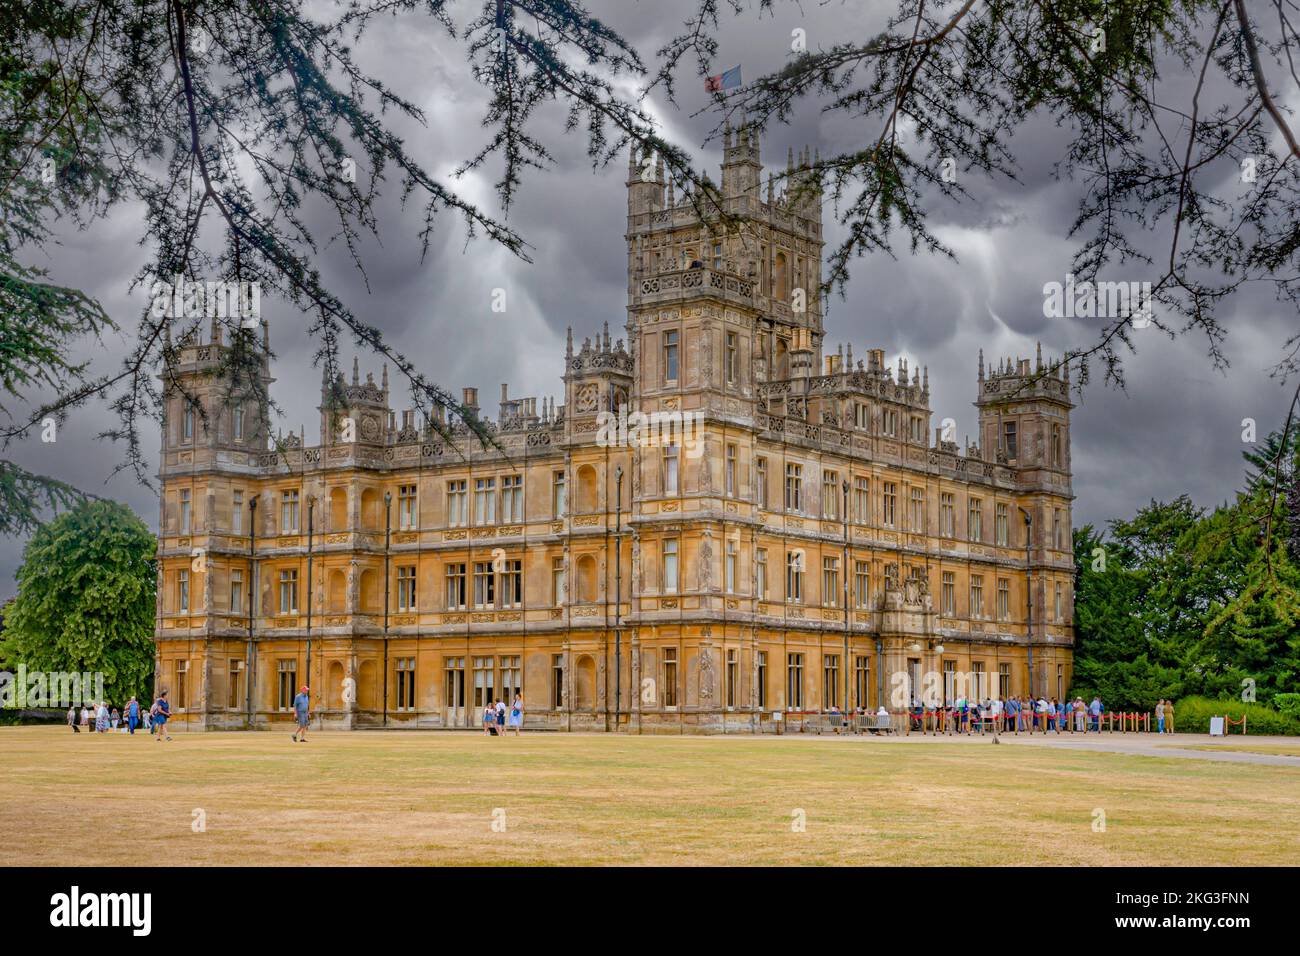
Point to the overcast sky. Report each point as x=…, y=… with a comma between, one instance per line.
x=1176, y=429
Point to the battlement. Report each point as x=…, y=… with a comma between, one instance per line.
x=1019, y=379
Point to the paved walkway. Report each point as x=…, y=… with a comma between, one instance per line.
x=1146, y=745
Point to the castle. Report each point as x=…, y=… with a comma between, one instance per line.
x=818, y=541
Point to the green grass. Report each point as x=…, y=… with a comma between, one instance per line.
x=428, y=798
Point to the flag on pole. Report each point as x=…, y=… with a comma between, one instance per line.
x=723, y=81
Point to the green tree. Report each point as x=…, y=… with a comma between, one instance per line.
x=86, y=599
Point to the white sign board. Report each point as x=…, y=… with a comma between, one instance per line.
x=1216, y=726
x=776, y=715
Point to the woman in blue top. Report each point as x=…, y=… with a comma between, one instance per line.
x=161, y=711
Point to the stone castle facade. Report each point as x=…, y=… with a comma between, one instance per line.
x=811, y=536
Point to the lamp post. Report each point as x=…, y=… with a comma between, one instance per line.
x=388, y=530
x=1029, y=596
x=618, y=594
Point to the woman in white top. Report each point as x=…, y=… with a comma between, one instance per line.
x=517, y=714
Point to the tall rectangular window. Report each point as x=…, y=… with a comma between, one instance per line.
x=862, y=584
x=404, y=672
x=1057, y=604
x=730, y=475
x=793, y=486
x=830, y=582
x=234, y=683
x=455, y=577
x=1009, y=439
x=862, y=500
x=512, y=583
x=407, y=511
x=733, y=358
x=406, y=588
x=186, y=511
x=557, y=681
x=1004, y=599
x=236, y=512
x=484, y=682
x=557, y=581
x=949, y=596
x=762, y=679
x=760, y=565
x=670, y=463
x=947, y=515
x=182, y=685
x=861, y=681
x=457, y=506
x=670, y=357
x=236, y=591
x=559, y=496
x=975, y=520
x=729, y=572
x=1058, y=528
x=830, y=681
x=830, y=494
x=287, y=685
x=1000, y=524
x=289, y=512
x=511, y=677
x=289, y=591
x=794, y=577
x=888, y=503
x=733, y=671
x=670, y=566
x=485, y=501
x=1004, y=681
x=187, y=427
x=183, y=590
x=761, y=490
x=794, y=681
x=512, y=499
x=455, y=670
x=976, y=595
x=237, y=423
x=916, y=521
x=670, y=677
x=1056, y=446
x=484, y=585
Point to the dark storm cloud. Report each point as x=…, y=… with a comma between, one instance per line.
x=1176, y=428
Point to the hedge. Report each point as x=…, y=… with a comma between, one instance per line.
x=1192, y=716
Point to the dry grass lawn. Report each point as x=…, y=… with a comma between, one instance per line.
x=429, y=798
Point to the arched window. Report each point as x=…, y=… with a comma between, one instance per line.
x=587, y=584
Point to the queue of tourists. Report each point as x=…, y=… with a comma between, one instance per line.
x=102, y=719
x=1021, y=714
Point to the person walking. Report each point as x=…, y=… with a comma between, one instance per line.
x=160, y=711
x=302, y=712
x=1169, y=716
x=72, y=719
x=501, y=718
x=132, y=715
x=1160, y=716
x=1095, y=709
x=517, y=714
x=114, y=718
x=489, y=719
x=101, y=718
x=85, y=717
